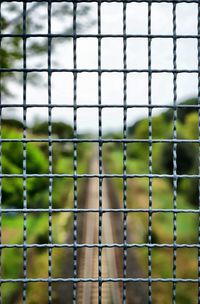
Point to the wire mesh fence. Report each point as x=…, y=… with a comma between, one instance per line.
x=99, y=159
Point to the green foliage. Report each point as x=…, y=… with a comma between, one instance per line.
x=182, y=112
x=192, y=122
x=160, y=128
x=186, y=159
x=162, y=153
x=60, y=129
x=139, y=129
x=189, y=188
x=186, y=155
x=11, y=51
x=36, y=163
x=162, y=193
x=12, y=163
x=14, y=123
x=12, y=154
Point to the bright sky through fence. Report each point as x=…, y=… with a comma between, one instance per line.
x=112, y=58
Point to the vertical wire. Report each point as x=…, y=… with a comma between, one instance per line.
x=174, y=152
x=100, y=158
x=198, y=54
x=0, y=166
x=49, y=8
x=24, y=155
x=75, y=150
x=150, y=158
x=124, y=151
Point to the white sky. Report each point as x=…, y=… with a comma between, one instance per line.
x=112, y=57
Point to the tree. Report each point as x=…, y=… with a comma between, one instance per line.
x=60, y=129
x=182, y=112
x=186, y=158
x=11, y=22
x=12, y=163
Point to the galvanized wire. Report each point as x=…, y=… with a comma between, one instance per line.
x=174, y=153
x=75, y=150
x=24, y=154
x=124, y=152
x=150, y=244
x=100, y=149
x=49, y=8
x=150, y=157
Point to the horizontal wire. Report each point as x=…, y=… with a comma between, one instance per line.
x=103, y=210
x=95, y=140
x=65, y=70
x=99, y=36
x=64, y=105
x=86, y=175
x=103, y=280
x=114, y=245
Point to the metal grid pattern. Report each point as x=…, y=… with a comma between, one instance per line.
x=101, y=175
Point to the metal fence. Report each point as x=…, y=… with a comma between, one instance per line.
x=100, y=140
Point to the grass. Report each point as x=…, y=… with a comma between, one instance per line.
x=37, y=259
x=162, y=229
x=38, y=232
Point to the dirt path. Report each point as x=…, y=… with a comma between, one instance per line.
x=88, y=268
x=88, y=258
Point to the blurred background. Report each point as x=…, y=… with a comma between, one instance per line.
x=62, y=85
